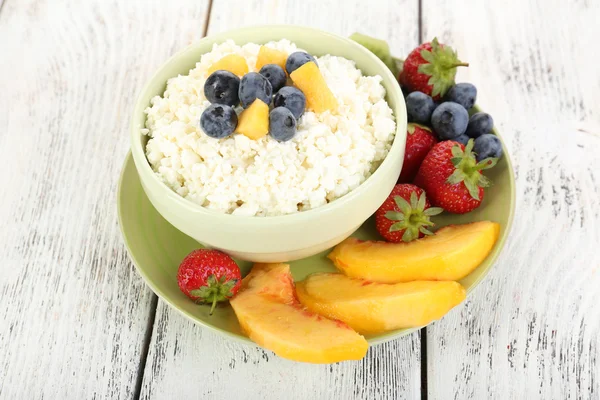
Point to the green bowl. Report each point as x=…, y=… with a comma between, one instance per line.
x=157, y=247
x=278, y=238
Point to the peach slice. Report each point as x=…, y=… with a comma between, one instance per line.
x=270, y=314
x=310, y=81
x=266, y=55
x=370, y=307
x=253, y=122
x=233, y=63
x=449, y=255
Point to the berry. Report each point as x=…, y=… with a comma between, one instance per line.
x=419, y=140
x=480, y=124
x=275, y=74
x=209, y=276
x=487, y=146
x=452, y=178
x=464, y=94
x=218, y=121
x=298, y=59
x=404, y=215
x=462, y=139
x=222, y=87
x=419, y=107
x=254, y=86
x=291, y=98
x=449, y=120
x=430, y=68
x=282, y=124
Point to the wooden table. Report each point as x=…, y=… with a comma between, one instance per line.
x=77, y=322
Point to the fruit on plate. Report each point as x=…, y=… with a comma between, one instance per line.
x=254, y=120
x=282, y=124
x=254, y=86
x=419, y=140
x=419, y=107
x=310, y=81
x=431, y=69
x=209, y=276
x=486, y=146
x=270, y=314
x=267, y=55
x=298, y=59
x=233, y=63
x=479, y=124
x=464, y=94
x=449, y=255
x=404, y=215
x=292, y=99
x=452, y=178
x=372, y=308
x=218, y=121
x=449, y=120
x=275, y=75
x=222, y=87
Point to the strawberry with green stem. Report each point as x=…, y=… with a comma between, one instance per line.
x=431, y=69
x=405, y=214
x=452, y=177
x=208, y=277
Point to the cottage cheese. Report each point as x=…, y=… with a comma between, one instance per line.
x=331, y=154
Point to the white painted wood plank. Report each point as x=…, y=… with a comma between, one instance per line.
x=186, y=361
x=532, y=329
x=73, y=313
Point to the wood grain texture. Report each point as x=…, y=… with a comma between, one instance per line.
x=73, y=313
x=532, y=329
x=186, y=361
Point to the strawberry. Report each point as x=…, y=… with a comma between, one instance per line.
x=452, y=177
x=419, y=140
x=430, y=68
x=404, y=215
x=209, y=276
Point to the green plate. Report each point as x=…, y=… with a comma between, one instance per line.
x=157, y=248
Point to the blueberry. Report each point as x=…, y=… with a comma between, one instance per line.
x=218, y=121
x=298, y=59
x=462, y=139
x=254, y=86
x=464, y=94
x=282, y=124
x=292, y=99
x=222, y=87
x=487, y=145
x=419, y=107
x=449, y=120
x=275, y=74
x=480, y=124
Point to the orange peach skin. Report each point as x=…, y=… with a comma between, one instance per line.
x=270, y=314
x=371, y=308
x=310, y=81
x=449, y=255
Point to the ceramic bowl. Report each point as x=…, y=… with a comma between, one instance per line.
x=276, y=238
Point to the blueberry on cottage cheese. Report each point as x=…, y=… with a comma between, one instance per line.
x=275, y=74
x=282, y=124
x=487, y=145
x=254, y=86
x=222, y=87
x=449, y=120
x=419, y=107
x=298, y=59
x=291, y=98
x=464, y=94
x=218, y=121
x=480, y=124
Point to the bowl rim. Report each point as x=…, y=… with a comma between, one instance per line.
x=143, y=166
